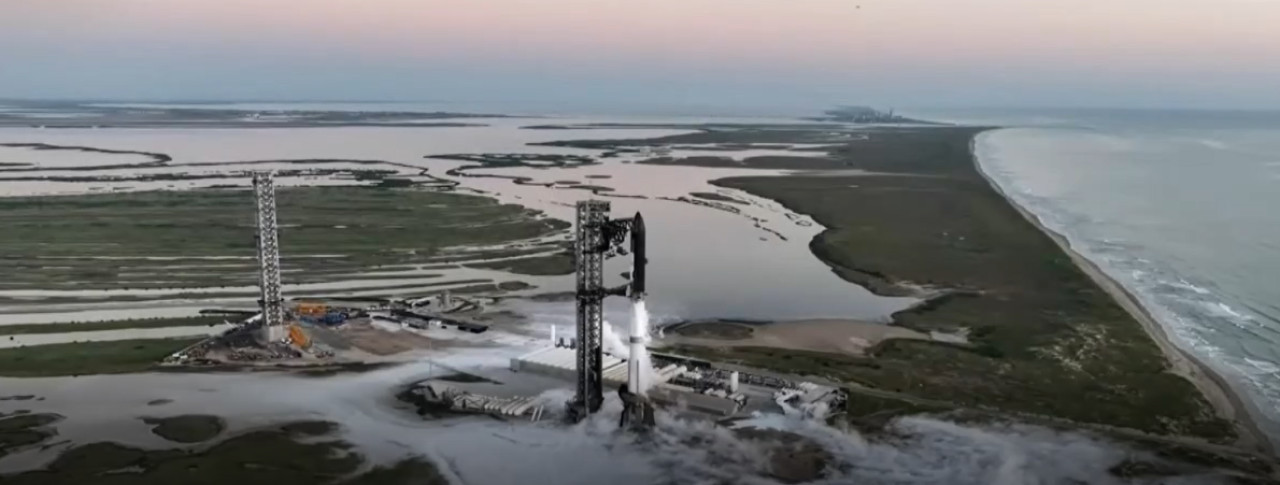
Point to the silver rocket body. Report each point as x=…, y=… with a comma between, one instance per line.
x=639, y=324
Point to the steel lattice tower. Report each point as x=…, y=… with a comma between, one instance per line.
x=589, y=261
x=597, y=238
x=271, y=303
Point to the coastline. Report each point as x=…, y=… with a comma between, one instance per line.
x=1212, y=385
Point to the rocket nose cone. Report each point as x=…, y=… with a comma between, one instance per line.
x=639, y=218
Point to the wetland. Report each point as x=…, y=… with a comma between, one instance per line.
x=873, y=226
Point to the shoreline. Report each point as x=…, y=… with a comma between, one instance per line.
x=1212, y=386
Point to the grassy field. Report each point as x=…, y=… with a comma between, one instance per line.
x=117, y=357
x=1045, y=339
x=207, y=237
x=24, y=329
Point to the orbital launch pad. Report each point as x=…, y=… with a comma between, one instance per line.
x=598, y=238
x=685, y=383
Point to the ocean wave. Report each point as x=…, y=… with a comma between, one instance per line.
x=1187, y=286
x=1218, y=308
x=1263, y=366
x=1223, y=333
x=1169, y=284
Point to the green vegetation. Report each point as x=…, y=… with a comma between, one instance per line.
x=206, y=238
x=870, y=412
x=550, y=265
x=272, y=455
x=22, y=430
x=503, y=160
x=716, y=197
x=156, y=158
x=865, y=114
x=22, y=329
x=1046, y=339
x=594, y=188
x=866, y=406
x=116, y=357
x=190, y=428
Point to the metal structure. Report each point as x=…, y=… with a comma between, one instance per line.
x=639, y=259
x=270, y=301
x=637, y=411
x=597, y=238
x=589, y=250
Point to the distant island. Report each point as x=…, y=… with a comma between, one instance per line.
x=866, y=115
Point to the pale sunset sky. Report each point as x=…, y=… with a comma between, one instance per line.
x=1098, y=53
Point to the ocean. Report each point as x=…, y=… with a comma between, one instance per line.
x=1181, y=207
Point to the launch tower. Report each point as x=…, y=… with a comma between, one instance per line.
x=270, y=302
x=597, y=238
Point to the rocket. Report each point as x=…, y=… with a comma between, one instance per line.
x=638, y=258
x=639, y=316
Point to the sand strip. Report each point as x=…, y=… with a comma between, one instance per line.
x=1212, y=385
x=836, y=336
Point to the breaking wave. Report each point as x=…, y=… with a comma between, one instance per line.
x=1195, y=312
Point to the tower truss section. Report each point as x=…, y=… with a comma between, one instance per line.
x=589, y=254
x=270, y=302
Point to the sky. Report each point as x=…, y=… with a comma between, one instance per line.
x=923, y=53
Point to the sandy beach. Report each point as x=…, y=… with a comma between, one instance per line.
x=1225, y=400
